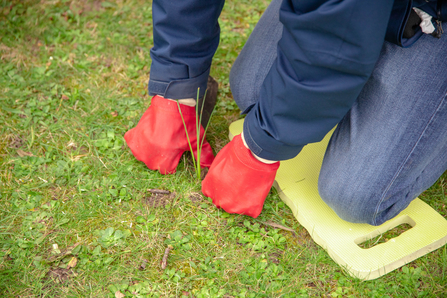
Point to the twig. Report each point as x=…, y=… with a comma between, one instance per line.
x=100, y=160
x=143, y=264
x=278, y=226
x=164, y=261
x=159, y=191
x=42, y=179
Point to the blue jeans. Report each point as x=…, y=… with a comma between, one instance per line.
x=391, y=145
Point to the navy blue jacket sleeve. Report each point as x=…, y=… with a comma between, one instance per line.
x=325, y=56
x=186, y=36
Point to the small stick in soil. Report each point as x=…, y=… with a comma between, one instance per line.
x=159, y=191
x=278, y=226
x=164, y=261
x=143, y=265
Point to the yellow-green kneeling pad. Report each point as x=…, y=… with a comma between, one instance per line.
x=296, y=183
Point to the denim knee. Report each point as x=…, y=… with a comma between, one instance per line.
x=349, y=201
x=237, y=90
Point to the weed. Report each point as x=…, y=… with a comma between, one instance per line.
x=199, y=114
x=109, y=237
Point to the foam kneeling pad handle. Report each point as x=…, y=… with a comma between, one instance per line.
x=159, y=139
x=237, y=182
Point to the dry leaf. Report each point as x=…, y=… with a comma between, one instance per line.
x=22, y=153
x=64, y=97
x=118, y=294
x=114, y=113
x=72, y=263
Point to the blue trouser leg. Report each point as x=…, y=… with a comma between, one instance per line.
x=256, y=58
x=392, y=144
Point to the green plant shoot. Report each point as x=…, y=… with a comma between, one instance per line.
x=196, y=163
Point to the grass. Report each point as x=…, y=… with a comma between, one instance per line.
x=80, y=216
x=200, y=141
x=385, y=237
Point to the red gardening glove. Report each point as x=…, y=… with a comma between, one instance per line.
x=238, y=182
x=159, y=139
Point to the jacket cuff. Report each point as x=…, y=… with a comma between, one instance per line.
x=263, y=144
x=182, y=88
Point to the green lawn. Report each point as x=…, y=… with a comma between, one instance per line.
x=78, y=218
